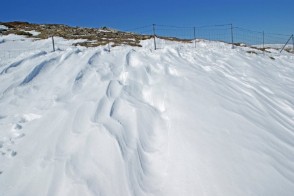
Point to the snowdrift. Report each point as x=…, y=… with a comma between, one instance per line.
x=134, y=121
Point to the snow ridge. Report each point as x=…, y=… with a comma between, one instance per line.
x=134, y=121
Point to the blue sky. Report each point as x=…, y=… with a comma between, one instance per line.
x=271, y=16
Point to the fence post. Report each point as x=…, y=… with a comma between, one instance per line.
x=154, y=36
x=53, y=44
x=263, y=49
x=286, y=43
x=232, y=36
x=293, y=42
x=194, y=35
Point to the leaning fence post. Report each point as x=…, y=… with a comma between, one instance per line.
x=154, y=35
x=194, y=36
x=286, y=43
x=232, y=36
x=53, y=44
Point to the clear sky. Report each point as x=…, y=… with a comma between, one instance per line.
x=269, y=15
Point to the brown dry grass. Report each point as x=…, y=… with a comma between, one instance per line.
x=95, y=37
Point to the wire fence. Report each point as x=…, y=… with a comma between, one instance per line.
x=216, y=34
x=10, y=49
x=164, y=35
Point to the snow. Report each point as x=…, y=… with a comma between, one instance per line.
x=177, y=121
x=14, y=47
x=3, y=27
x=33, y=32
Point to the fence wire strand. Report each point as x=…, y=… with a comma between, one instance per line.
x=213, y=34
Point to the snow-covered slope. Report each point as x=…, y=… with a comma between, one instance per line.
x=176, y=121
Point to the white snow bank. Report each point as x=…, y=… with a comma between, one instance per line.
x=3, y=27
x=175, y=121
x=33, y=32
x=14, y=47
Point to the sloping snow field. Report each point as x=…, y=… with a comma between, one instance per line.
x=178, y=121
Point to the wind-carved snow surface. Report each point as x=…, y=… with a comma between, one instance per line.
x=138, y=122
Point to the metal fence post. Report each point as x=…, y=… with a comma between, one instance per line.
x=108, y=47
x=232, y=35
x=154, y=35
x=263, y=49
x=293, y=42
x=53, y=44
x=194, y=36
x=286, y=43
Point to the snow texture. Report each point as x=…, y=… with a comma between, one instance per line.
x=209, y=121
x=3, y=27
x=33, y=32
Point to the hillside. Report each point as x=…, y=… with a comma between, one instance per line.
x=135, y=121
x=93, y=36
